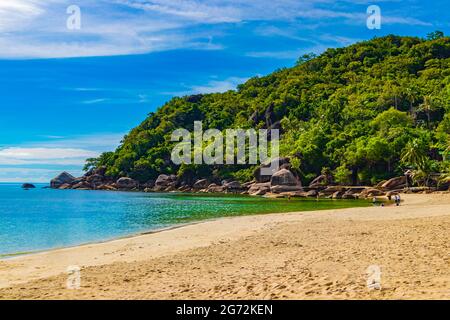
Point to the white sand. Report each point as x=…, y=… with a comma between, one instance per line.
x=313, y=255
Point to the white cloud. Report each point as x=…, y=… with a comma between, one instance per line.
x=54, y=156
x=96, y=142
x=213, y=86
x=17, y=13
x=23, y=174
x=94, y=101
x=28, y=162
x=287, y=54
x=403, y=20
x=200, y=11
x=37, y=28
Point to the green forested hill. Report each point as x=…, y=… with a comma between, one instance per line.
x=365, y=112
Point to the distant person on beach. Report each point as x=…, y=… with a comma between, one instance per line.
x=374, y=201
x=397, y=200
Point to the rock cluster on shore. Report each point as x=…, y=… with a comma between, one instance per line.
x=282, y=183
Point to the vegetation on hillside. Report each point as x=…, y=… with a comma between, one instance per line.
x=366, y=112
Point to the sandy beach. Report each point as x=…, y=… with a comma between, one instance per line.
x=307, y=255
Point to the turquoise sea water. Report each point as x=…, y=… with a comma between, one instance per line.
x=40, y=219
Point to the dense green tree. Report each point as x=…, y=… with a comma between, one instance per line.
x=435, y=35
x=414, y=153
x=366, y=112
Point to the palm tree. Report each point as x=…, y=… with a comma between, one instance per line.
x=412, y=95
x=422, y=176
x=393, y=91
x=446, y=152
x=428, y=106
x=444, y=178
x=414, y=154
x=445, y=175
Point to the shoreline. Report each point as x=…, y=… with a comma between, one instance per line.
x=14, y=255
x=10, y=256
x=220, y=240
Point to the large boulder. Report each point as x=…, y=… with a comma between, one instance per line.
x=283, y=177
x=184, y=188
x=149, y=184
x=277, y=163
x=214, y=188
x=371, y=192
x=285, y=188
x=82, y=185
x=64, y=178
x=331, y=190
x=259, y=189
x=355, y=190
x=394, y=183
x=352, y=193
x=338, y=195
x=312, y=194
x=321, y=181
x=233, y=186
x=126, y=183
x=100, y=171
x=200, y=184
x=165, y=180
x=95, y=179
x=106, y=187
x=284, y=181
x=247, y=185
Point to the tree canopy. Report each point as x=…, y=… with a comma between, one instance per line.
x=367, y=112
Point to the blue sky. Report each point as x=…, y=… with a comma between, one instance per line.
x=66, y=95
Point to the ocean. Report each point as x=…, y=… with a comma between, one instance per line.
x=41, y=219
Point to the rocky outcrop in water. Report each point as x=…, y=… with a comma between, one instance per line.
x=64, y=178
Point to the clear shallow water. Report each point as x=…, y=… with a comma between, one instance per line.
x=40, y=219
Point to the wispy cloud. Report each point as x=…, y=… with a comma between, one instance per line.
x=61, y=156
x=15, y=13
x=212, y=86
x=23, y=174
x=287, y=54
x=37, y=29
x=94, y=101
x=95, y=142
x=29, y=161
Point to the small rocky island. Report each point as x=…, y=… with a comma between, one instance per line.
x=28, y=186
x=282, y=183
